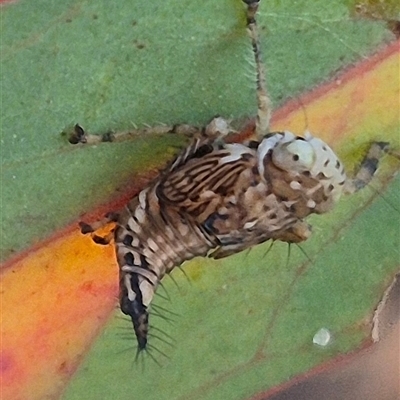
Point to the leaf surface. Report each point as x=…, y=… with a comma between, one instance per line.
x=245, y=323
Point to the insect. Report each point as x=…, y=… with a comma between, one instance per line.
x=218, y=197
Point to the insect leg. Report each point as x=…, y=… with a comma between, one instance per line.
x=296, y=233
x=218, y=128
x=263, y=99
x=92, y=228
x=79, y=135
x=368, y=166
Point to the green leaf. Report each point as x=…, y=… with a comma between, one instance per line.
x=245, y=323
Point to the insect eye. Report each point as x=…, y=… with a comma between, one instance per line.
x=297, y=155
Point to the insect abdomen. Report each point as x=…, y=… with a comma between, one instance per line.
x=151, y=239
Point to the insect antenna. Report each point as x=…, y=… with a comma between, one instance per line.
x=304, y=111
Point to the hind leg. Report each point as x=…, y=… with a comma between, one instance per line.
x=217, y=127
x=79, y=135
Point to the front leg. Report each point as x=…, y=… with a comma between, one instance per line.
x=368, y=166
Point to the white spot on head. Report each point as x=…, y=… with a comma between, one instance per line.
x=295, y=156
x=325, y=163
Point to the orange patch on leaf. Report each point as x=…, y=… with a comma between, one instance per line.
x=54, y=302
